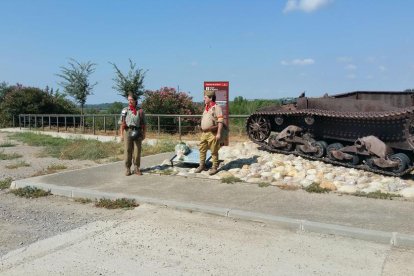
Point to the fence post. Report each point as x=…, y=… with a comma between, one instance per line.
x=74, y=124
x=93, y=124
x=179, y=127
x=104, y=123
x=159, y=126
x=116, y=126
x=13, y=122
x=29, y=123
x=20, y=122
x=24, y=121
x=43, y=123
x=57, y=122
x=50, y=123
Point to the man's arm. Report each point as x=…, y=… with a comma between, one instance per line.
x=219, y=128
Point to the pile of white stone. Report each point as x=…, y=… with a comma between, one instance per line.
x=245, y=162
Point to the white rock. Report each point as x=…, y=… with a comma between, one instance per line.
x=347, y=189
x=407, y=192
x=306, y=182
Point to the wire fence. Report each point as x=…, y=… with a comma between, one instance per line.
x=108, y=124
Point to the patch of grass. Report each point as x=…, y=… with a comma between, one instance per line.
x=90, y=150
x=9, y=156
x=18, y=165
x=7, y=144
x=377, y=194
x=5, y=183
x=315, y=188
x=159, y=147
x=264, y=184
x=123, y=203
x=80, y=149
x=83, y=200
x=165, y=172
x=55, y=167
x=230, y=180
x=30, y=192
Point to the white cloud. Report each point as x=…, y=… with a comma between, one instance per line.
x=298, y=62
x=350, y=67
x=382, y=68
x=305, y=5
x=351, y=76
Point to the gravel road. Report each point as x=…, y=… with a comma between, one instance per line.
x=24, y=221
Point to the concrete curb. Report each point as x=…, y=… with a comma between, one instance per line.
x=392, y=238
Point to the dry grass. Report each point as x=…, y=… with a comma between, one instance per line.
x=30, y=192
x=18, y=165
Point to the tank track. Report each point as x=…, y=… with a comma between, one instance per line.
x=398, y=116
x=264, y=146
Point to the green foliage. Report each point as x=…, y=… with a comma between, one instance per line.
x=241, y=106
x=30, y=100
x=230, y=179
x=377, y=194
x=18, y=165
x=115, y=108
x=83, y=200
x=315, y=188
x=263, y=184
x=5, y=183
x=9, y=156
x=70, y=149
x=131, y=83
x=76, y=80
x=30, y=192
x=123, y=203
x=168, y=101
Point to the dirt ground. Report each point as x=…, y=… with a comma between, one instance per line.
x=24, y=221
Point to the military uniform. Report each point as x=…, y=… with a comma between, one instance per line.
x=132, y=147
x=212, y=116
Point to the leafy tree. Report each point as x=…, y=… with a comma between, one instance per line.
x=133, y=82
x=115, y=108
x=168, y=101
x=30, y=100
x=76, y=80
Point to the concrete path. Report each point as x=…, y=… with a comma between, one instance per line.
x=384, y=221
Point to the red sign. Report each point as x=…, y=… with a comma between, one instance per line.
x=222, y=98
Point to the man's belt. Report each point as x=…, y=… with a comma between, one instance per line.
x=131, y=127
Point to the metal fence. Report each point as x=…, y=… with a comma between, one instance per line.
x=108, y=124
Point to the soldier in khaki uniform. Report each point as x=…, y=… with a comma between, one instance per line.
x=211, y=125
x=132, y=122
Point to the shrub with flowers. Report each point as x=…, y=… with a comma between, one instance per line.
x=167, y=100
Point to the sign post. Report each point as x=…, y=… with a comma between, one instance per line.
x=222, y=98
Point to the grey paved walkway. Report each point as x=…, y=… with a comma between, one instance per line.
x=386, y=221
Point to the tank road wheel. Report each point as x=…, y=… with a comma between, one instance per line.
x=258, y=128
x=402, y=159
x=331, y=147
x=321, y=149
x=354, y=161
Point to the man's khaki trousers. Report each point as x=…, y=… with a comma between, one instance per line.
x=208, y=142
x=132, y=151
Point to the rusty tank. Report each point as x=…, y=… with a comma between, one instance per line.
x=369, y=130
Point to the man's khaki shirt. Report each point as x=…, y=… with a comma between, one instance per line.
x=211, y=117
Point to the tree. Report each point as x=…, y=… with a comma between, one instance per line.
x=30, y=100
x=168, y=101
x=131, y=83
x=76, y=80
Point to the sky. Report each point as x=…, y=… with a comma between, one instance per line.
x=266, y=49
